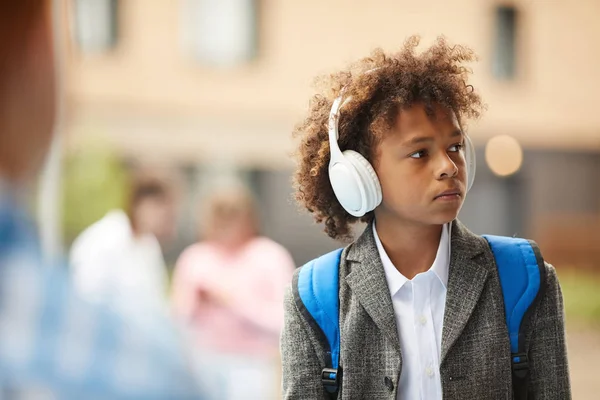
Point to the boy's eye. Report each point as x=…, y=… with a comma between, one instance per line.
x=419, y=154
x=456, y=147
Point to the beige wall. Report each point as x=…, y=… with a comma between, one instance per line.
x=152, y=99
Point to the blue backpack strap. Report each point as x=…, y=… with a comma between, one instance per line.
x=316, y=293
x=522, y=278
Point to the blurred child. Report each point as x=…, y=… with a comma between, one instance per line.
x=230, y=287
x=118, y=259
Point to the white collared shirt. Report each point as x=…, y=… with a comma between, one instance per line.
x=419, y=309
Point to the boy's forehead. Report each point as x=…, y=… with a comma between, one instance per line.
x=419, y=120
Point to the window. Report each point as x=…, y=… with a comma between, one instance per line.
x=95, y=23
x=220, y=32
x=503, y=66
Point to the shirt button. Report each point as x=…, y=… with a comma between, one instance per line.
x=422, y=320
x=429, y=372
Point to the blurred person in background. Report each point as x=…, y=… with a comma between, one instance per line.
x=230, y=289
x=118, y=259
x=52, y=344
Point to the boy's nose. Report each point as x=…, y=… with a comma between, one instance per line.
x=447, y=167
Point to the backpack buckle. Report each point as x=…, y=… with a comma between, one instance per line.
x=331, y=379
x=520, y=365
x=519, y=361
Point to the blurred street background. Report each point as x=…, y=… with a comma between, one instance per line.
x=206, y=92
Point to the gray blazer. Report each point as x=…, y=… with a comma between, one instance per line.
x=475, y=354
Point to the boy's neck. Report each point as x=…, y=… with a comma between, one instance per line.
x=412, y=248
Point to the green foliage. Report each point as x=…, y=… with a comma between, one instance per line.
x=581, y=294
x=94, y=182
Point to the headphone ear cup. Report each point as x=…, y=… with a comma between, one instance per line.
x=470, y=161
x=345, y=183
x=368, y=180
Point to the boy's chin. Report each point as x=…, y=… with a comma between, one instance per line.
x=445, y=218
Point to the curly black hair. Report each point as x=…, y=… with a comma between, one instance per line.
x=380, y=86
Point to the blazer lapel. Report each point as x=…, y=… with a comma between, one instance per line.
x=368, y=283
x=469, y=270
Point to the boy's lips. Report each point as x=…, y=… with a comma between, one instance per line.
x=449, y=194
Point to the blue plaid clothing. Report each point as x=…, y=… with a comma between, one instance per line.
x=56, y=346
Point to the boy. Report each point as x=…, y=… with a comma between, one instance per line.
x=421, y=311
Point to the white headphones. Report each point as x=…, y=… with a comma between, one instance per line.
x=352, y=177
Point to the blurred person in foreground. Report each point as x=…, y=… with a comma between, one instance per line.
x=230, y=289
x=53, y=345
x=118, y=260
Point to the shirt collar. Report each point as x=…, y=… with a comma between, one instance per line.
x=440, y=266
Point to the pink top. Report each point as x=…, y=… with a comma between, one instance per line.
x=243, y=310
